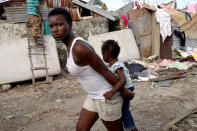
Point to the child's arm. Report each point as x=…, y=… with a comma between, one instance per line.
x=118, y=86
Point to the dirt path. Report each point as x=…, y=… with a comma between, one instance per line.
x=57, y=108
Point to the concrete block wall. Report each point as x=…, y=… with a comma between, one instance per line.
x=90, y=27
x=12, y=31
x=83, y=28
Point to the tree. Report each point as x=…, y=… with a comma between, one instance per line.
x=98, y=2
x=104, y=6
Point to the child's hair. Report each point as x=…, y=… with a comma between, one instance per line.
x=61, y=11
x=111, y=46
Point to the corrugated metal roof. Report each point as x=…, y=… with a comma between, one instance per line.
x=66, y=3
x=2, y=1
x=101, y=12
x=75, y=13
x=17, y=11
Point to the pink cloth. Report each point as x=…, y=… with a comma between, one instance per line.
x=165, y=63
x=192, y=8
x=165, y=7
x=125, y=20
x=137, y=5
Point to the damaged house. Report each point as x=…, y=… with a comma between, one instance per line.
x=144, y=22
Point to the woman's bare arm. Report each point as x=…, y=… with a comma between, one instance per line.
x=89, y=57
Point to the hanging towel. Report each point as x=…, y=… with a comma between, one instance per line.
x=165, y=25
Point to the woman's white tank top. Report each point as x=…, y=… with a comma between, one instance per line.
x=93, y=83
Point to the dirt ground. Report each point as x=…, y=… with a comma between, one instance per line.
x=56, y=108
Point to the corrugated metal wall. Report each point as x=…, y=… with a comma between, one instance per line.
x=17, y=11
x=176, y=41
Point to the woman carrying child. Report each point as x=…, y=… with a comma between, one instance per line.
x=110, y=51
x=95, y=78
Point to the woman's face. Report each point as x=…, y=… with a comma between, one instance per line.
x=59, y=28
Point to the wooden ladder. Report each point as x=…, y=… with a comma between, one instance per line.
x=42, y=52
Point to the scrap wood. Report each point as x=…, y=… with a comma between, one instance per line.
x=189, y=58
x=172, y=76
x=166, y=71
x=173, y=122
x=193, y=73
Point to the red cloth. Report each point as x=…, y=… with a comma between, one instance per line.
x=125, y=20
x=137, y=5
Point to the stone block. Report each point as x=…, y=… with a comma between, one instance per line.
x=125, y=39
x=15, y=63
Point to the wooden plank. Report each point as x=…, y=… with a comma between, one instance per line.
x=36, y=47
x=166, y=47
x=45, y=62
x=173, y=122
x=40, y=68
x=86, y=17
x=37, y=54
x=96, y=10
x=175, y=75
x=155, y=36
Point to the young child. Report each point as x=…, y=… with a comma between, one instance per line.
x=110, y=52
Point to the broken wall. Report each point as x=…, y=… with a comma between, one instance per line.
x=90, y=27
x=12, y=31
x=125, y=39
x=83, y=28
x=14, y=60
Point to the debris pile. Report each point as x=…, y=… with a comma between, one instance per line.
x=160, y=72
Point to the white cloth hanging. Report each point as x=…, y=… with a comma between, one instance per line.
x=165, y=25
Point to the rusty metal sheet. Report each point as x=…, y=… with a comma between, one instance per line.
x=67, y=3
x=75, y=14
x=50, y=3
x=166, y=48
x=59, y=3
x=54, y=3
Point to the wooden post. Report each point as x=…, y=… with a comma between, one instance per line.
x=155, y=35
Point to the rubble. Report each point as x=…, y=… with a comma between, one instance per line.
x=4, y=88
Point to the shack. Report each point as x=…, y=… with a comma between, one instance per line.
x=144, y=21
